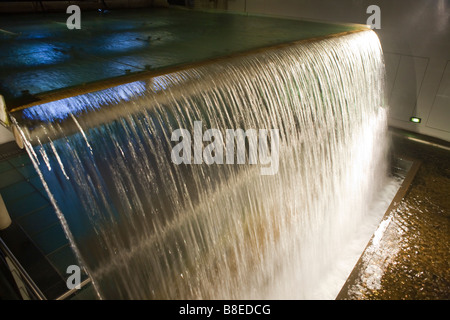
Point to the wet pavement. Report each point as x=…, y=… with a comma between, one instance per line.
x=408, y=257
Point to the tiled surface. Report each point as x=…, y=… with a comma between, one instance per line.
x=22, y=207
x=409, y=75
x=5, y=166
x=10, y=177
x=51, y=239
x=17, y=190
x=29, y=207
x=441, y=103
x=40, y=220
x=86, y=293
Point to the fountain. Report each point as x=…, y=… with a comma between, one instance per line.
x=145, y=227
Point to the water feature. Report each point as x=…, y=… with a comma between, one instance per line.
x=144, y=228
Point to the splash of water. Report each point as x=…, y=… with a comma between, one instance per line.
x=146, y=228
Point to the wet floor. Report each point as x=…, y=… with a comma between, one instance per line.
x=409, y=256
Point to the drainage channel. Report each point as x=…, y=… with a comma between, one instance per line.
x=405, y=168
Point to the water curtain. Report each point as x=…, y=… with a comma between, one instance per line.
x=144, y=227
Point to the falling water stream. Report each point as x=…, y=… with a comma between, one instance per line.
x=146, y=228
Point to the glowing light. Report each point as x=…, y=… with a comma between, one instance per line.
x=61, y=109
x=415, y=119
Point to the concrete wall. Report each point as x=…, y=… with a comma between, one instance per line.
x=415, y=36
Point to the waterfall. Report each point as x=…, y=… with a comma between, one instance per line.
x=144, y=227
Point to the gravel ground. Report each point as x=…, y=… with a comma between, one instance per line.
x=409, y=255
